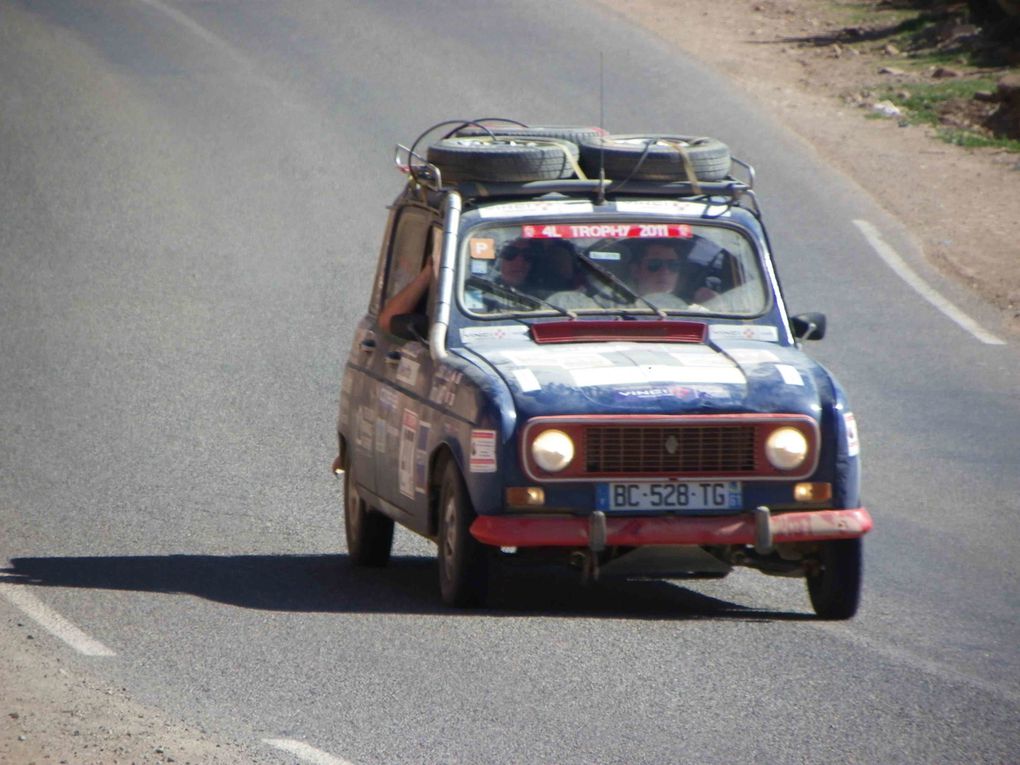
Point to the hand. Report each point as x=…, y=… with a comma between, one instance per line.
x=704, y=294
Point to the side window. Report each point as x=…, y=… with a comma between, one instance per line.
x=411, y=242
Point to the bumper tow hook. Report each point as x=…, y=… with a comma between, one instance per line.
x=762, y=530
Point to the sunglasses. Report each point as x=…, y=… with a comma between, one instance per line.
x=513, y=254
x=653, y=266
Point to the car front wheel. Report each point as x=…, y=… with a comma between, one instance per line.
x=463, y=561
x=835, y=585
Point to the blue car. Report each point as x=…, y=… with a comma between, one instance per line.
x=577, y=349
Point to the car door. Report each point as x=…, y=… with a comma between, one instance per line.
x=403, y=369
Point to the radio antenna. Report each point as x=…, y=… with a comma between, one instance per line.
x=602, y=128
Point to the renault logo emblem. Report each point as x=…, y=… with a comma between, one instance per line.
x=671, y=445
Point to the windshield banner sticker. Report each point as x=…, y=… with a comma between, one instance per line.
x=483, y=451
x=608, y=231
x=524, y=209
x=668, y=207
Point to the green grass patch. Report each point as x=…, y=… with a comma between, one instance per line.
x=921, y=101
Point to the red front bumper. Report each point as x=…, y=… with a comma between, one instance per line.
x=630, y=531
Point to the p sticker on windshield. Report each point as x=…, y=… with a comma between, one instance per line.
x=482, y=249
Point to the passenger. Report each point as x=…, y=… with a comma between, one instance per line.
x=656, y=268
x=515, y=261
x=408, y=299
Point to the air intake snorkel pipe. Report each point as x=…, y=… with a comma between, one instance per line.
x=444, y=294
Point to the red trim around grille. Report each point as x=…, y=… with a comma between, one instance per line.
x=720, y=443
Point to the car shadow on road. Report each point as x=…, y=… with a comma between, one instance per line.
x=331, y=584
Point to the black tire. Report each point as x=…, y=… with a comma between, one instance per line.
x=562, y=132
x=622, y=157
x=369, y=532
x=463, y=560
x=511, y=160
x=835, y=588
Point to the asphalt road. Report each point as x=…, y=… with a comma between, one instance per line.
x=191, y=200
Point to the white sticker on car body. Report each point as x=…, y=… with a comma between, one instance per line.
x=657, y=374
x=405, y=464
x=752, y=356
x=421, y=456
x=789, y=374
x=759, y=332
x=526, y=380
x=499, y=332
x=407, y=372
x=483, y=451
x=853, y=443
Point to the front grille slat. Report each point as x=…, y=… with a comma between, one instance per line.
x=673, y=449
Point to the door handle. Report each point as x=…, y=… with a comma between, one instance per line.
x=368, y=344
x=393, y=357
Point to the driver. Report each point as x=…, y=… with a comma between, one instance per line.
x=656, y=268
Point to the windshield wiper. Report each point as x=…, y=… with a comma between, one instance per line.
x=505, y=290
x=611, y=278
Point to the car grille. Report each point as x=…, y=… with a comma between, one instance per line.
x=672, y=449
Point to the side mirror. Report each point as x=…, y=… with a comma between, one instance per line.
x=410, y=326
x=808, y=326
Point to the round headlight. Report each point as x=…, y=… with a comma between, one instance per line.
x=786, y=448
x=552, y=450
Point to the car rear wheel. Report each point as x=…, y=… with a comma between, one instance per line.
x=835, y=586
x=369, y=532
x=463, y=560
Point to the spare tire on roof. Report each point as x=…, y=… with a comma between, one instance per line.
x=655, y=157
x=480, y=158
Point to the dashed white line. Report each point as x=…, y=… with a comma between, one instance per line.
x=305, y=753
x=53, y=622
x=907, y=274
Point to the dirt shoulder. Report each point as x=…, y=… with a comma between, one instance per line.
x=816, y=66
x=53, y=713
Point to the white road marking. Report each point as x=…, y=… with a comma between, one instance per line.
x=53, y=622
x=907, y=274
x=305, y=753
x=197, y=29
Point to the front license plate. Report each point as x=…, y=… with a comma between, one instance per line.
x=669, y=495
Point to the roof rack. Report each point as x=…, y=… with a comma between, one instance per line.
x=426, y=176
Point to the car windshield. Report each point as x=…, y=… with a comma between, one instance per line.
x=634, y=267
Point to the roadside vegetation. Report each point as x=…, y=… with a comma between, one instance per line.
x=952, y=65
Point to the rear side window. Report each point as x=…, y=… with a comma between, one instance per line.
x=411, y=242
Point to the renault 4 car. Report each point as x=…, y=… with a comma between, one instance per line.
x=593, y=363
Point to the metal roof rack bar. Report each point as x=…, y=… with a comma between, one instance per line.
x=731, y=188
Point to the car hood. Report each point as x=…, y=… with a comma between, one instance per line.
x=653, y=377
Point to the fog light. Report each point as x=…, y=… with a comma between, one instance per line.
x=812, y=492
x=525, y=496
